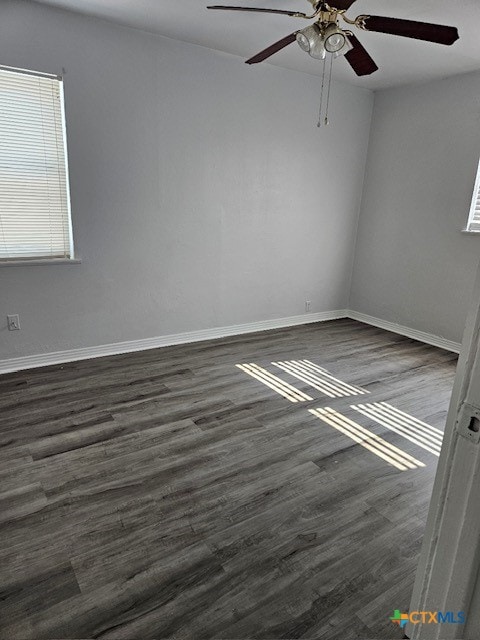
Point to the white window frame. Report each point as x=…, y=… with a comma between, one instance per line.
x=473, y=226
x=45, y=260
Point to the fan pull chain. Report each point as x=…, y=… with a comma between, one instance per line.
x=322, y=92
x=319, y=124
x=329, y=87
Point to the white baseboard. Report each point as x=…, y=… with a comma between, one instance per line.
x=72, y=355
x=421, y=336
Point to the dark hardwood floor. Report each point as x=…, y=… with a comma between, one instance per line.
x=172, y=494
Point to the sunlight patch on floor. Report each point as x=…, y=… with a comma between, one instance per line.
x=270, y=380
x=319, y=378
x=418, y=432
x=367, y=439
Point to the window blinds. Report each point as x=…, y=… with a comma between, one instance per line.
x=474, y=217
x=34, y=193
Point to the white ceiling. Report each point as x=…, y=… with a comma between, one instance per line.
x=401, y=61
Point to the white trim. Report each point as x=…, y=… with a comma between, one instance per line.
x=447, y=577
x=67, y=169
x=421, y=336
x=473, y=206
x=72, y=355
x=29, y=72
x=38, y=262
x=471, y=231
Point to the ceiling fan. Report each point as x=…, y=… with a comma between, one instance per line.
x=326, y=36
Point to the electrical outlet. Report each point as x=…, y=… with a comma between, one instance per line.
x=308, y=306
x=13, y=322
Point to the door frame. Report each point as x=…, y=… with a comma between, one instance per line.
x=447, y=577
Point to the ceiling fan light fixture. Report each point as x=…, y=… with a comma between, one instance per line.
x=303, y=42
x=308, y=38
x=318, y=50
x=345, y=49
x=334, y=38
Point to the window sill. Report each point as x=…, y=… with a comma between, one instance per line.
x=38, y=263
x=470, y=231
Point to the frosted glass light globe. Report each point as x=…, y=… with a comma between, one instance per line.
x=308, y=38
x=303, y=42
x=336, y=42
x=318, y=50
x=334, y=38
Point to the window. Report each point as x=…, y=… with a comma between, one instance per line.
x=474, y=217
x=35, y=218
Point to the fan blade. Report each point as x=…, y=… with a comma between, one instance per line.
x=341, y=5
x=269, y=51
x=412, y=29
x=295, y=14
x=359, y=58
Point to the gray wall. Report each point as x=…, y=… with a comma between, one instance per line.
x=413, y=266
x=203, y=194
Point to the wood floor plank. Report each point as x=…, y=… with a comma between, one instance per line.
x=168, y=494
